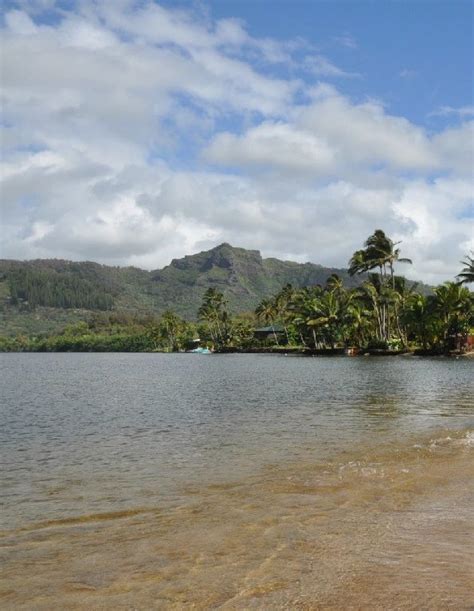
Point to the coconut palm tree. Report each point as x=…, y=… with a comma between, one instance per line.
x=170, y=325
x=381, y=252
x=357, y=321
x=454, y=305
x=213, y=311
x=401, y=293
x=327, y=317
x=303, y=308
x=358, y=263
x=267, y=311
x=335, y=284
x=369, y=293
x=467, y=273
x=418, y=320
x=281, y=302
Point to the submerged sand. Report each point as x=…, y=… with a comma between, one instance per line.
x=375, y=527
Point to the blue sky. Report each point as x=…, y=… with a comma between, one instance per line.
x=414, y=55
x=134, y=132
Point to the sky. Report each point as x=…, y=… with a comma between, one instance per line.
x=134, y=132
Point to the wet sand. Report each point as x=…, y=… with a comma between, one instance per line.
x=375, y=527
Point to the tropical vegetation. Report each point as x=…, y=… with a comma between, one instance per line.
x=384, y=312
x=467, y=273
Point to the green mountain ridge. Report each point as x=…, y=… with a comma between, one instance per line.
x=242, y=275
x=43, y=295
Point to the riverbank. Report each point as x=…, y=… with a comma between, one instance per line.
x=134, y=348
x=290, y=351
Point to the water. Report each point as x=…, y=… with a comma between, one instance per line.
x=236, y=481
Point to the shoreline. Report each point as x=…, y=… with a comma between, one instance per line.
x=325, y=529
x=283, y=351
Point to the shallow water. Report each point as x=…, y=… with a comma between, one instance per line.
x=236, y=481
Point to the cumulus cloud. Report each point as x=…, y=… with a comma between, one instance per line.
x=333, y=133
x=277, y=145
x=135, y=133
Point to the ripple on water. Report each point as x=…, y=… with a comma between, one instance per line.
x=141, y=481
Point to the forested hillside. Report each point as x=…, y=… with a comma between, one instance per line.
x=42, y=296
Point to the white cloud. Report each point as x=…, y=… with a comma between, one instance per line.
x=456, y=150
x=274, y=144
x=331, y=135
x=80, y=33
x=134, y=135
x=365, y=133
x=20, y=23
x=462, y=111
x=346, y=40
x=322, y=66
x=440, y=226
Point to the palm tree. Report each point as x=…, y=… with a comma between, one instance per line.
x=213, y=311
x=357, y=323
x=296, y=309
x=467, y=273
x=417, y=317
x=369, y=293
x=358, y=263
x=281, y=302
x=381, y=251
x=335, y=284
x=402, y=292
x=326, y=317
x=267, y=311
x=454, y=305
x=170, y=325
x=317, y=314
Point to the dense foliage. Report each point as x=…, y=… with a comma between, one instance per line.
x=384, y=312
x=44, y=295
x=33, y=287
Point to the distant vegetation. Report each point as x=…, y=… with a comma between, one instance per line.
x=380, y=312
x=36, y=287
x=42, y=296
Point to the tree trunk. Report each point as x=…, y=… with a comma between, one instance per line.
x=275, y=335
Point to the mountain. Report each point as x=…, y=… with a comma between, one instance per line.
x=242, y=275
x=45, y=294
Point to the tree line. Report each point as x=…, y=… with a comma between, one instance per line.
x=30, y=288
x=386, y=312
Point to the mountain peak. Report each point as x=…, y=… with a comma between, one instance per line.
x=236, y=250
x=225, y=254
x=242, y=275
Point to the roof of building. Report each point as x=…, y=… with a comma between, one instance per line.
x=270, y=329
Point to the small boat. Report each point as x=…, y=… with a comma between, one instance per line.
x=201, y=351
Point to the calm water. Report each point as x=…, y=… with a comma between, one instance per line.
x=236, y=481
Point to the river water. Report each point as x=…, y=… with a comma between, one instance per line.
x=149, y=481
